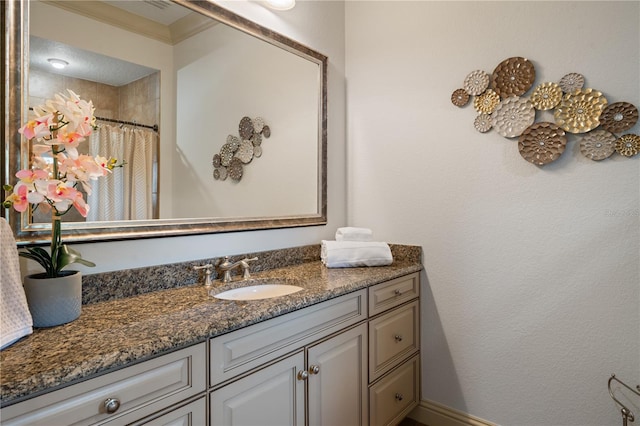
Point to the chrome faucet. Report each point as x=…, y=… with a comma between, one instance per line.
x=226, y=267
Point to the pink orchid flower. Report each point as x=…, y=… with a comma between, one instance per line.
x=29, y=176
x=39, y=127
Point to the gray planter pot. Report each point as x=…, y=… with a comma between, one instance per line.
x=54, y=301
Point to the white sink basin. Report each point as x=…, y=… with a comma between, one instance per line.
x=257, y=292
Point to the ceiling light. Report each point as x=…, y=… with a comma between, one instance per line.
x=57, y=63
x=280, y=4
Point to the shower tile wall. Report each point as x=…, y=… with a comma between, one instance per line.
x=137, y=101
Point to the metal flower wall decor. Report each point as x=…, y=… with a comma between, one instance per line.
x=239, y=151
x=502, y=104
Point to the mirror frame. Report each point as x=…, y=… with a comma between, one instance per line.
x=15, y=14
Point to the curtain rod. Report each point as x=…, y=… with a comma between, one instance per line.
x=130, y=123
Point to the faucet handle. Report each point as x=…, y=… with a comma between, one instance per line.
x=207, y=273
x=245, y=267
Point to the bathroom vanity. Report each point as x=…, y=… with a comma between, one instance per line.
x=344, y=350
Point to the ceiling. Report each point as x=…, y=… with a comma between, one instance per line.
x=99, y=68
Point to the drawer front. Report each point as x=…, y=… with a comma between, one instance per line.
x=242, y=350
x=393, y=293
x=393, y=397
x=140, y=390
x=393, y=337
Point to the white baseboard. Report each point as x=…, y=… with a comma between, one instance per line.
x=433, y=414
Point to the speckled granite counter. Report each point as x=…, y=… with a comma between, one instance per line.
x=122, y=330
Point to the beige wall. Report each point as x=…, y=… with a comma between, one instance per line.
x=531, y=295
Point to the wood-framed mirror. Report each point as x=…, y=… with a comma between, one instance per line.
x=206, y=68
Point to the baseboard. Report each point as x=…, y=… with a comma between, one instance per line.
x=433, y=414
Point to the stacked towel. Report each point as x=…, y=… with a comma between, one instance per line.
x=15, y=318
x=346, y=254
x=351, y=233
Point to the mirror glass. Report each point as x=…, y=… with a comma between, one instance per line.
x=222, y=123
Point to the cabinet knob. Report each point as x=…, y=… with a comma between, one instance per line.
x=314, y=369
x=398, y=338
x=399, y=397
x=303, y=375
x=111, y=405
x=397, y=292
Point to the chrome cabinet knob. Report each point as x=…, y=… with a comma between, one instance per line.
x=111, y=405
x=303, y=375
x=398, y=338
x=397, y=292
x=314, y=369
x=399, y=397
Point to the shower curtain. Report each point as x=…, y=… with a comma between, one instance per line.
x=126, y=194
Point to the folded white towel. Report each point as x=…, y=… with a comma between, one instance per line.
x=345, y=254
x=351, y=233
x=15, y=318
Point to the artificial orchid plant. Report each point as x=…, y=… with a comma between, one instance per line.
x=56, y=172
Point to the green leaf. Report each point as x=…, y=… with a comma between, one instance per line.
x=67, y=255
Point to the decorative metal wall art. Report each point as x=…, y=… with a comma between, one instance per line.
x=239, y=151
x=501, y=104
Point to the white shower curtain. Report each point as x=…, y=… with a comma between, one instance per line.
x=126, y=194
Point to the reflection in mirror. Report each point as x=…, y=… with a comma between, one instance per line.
x=170, y=88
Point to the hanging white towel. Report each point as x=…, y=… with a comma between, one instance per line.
x=351, y=233
x=346, y=254
x=15, y=318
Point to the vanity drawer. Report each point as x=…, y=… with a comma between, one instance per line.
x=394, y=396
x=141, y=390
x=393, y=293
x=393, y=337
x=242, y=350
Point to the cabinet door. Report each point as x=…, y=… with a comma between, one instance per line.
x=273, y=396
x=338, y=379
x=192, y=414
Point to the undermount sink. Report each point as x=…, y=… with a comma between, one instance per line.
x=257, y=292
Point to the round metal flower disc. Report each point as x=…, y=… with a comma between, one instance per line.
x=215, y=161
x=245, y=152
x=256, y=139
x=460, y=97
x=245, y=128
x=580, y=111
x=226, y=154
x=513, y=77
x=220, y=173
x=266, y=131
x=619, y=116
x=512, y=116
x=628, y=145
x=546, y=96
x=476, y=82
x=235, y=169
x=234, y=141
x=487, y=102
x=257, y=151
x=572, y=82
x=542, y=143
x=258, y=124
x=482, y=123
x=598, y=145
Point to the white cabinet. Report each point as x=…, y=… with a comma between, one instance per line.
x=394, y=347
x=330, y=387
x=352, y=360
x=337, y=379
x=271, y=396
x=121, y=397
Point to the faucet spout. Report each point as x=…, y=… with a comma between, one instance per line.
x=226, y=266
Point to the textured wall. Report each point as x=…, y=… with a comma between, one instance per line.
x=532, y=285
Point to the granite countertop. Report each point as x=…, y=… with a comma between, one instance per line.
x=115, y=333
